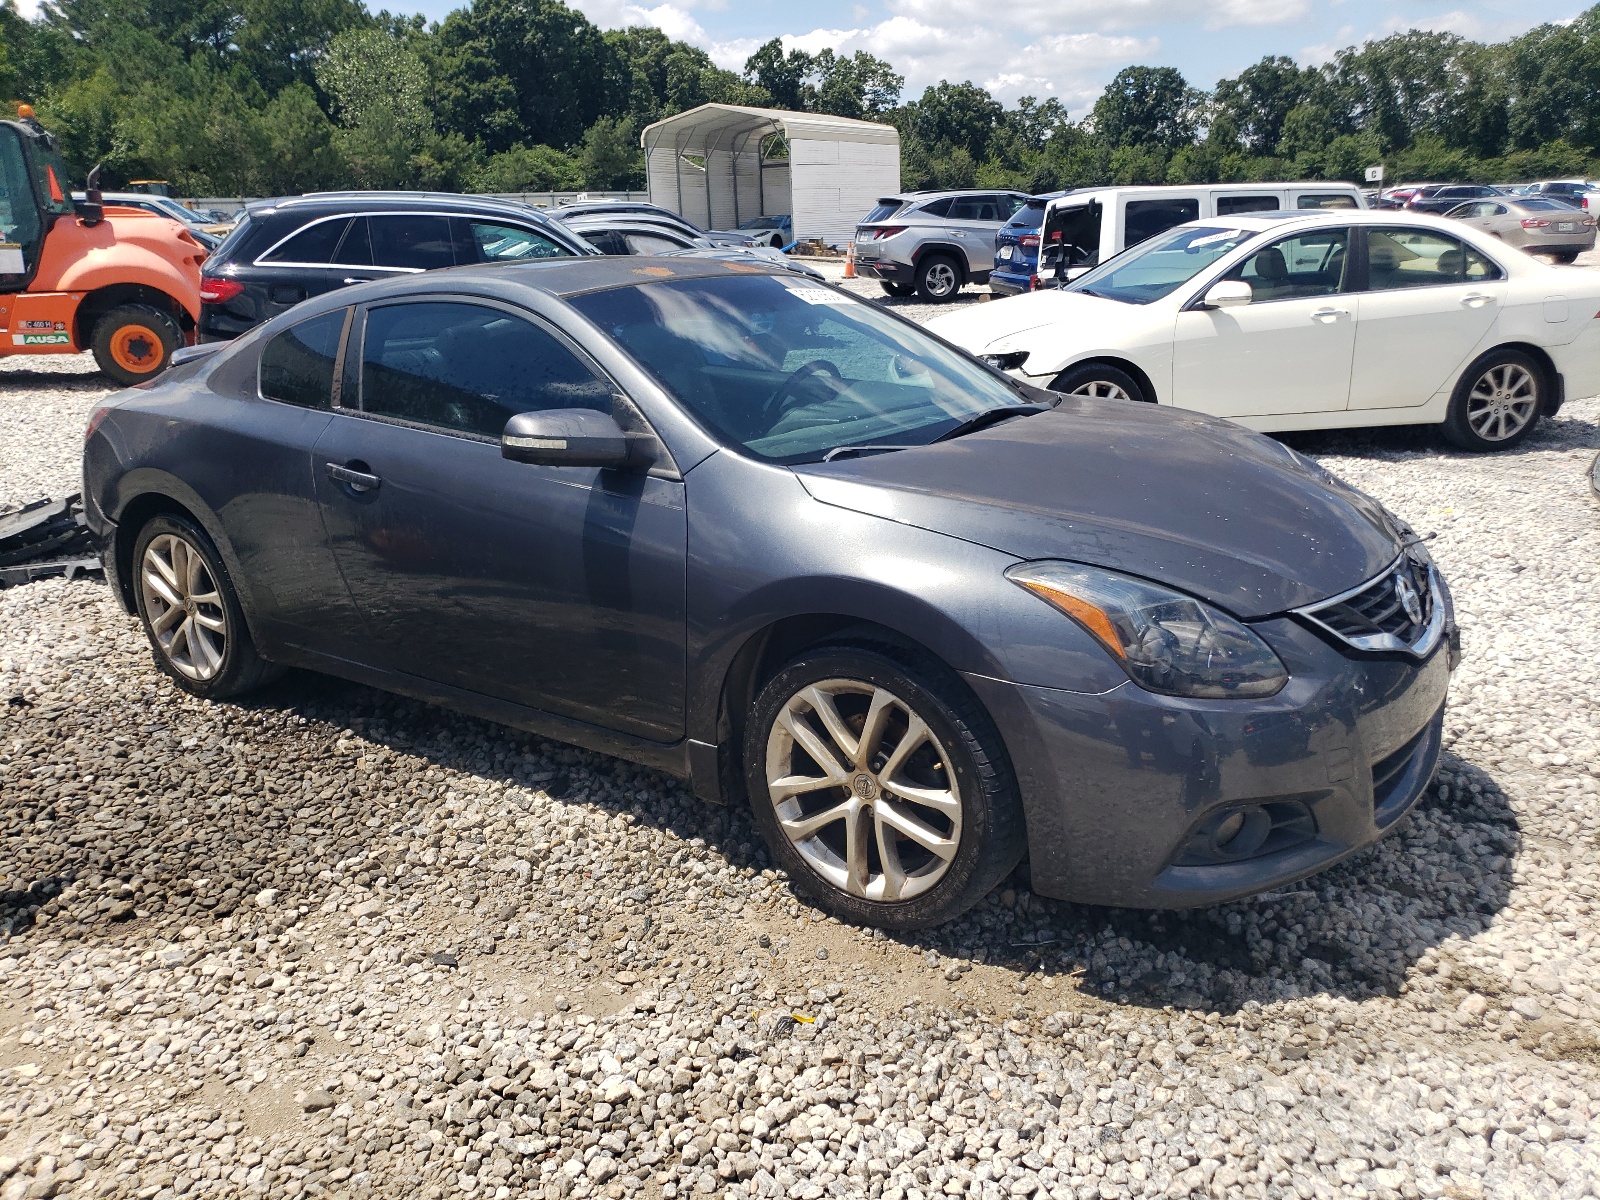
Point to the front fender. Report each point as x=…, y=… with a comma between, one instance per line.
x=948, y=595
x=149, y=252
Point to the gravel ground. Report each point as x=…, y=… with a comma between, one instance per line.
x=328, y=941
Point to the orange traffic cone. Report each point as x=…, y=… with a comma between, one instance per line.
x=850, y=262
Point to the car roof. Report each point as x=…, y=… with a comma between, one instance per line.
x=1263, y=221
x=376, y=202
x=562, y=277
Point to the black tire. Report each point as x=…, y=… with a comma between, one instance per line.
x=989, y=836
x=1566, y=257
x=134, y=343
x=200, y=666
x=939, y=278
x=1499, y=390
x=1100, y=381
x=896, y=289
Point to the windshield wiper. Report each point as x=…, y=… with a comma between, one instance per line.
x=841, y=451
x=991, y=417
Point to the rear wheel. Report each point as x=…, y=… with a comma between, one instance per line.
x=134, y=342
x=1497, y=401
x=191, y=613
x=882, y=786
x=896, y=289
x=938, y=278
x=1565, y=257
x=1099, y=381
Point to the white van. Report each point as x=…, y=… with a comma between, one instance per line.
x=1084, y=228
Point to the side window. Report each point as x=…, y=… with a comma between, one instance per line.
x=1227, y=206
x=356, y=248
x=651, y=243
x=419, y=242
x=1009, y=205
x=313, y=244
x=489, y=241
x=937, y=208
x=297, y=365
x=606, y=241
x=1146, y=218
x=468, y=368
x=1492, y=210
x=1326, y=200
x=1294, y=268
x=1407, y=258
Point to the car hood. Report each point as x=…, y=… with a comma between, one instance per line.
x=1200, y=505
x=1004, y=325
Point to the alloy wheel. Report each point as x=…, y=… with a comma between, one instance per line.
x=1100, y=389
x=941, y=279
x=1502, y=402
x=183, y=606
x=863, y=790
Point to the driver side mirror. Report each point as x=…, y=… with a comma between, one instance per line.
x=92, y=211
x=1229, y=293
x=574, y=437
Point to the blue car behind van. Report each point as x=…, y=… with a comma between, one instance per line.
x=1016, y=248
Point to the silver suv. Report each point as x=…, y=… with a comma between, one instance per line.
x=932, y=243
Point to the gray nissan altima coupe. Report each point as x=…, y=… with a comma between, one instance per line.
x=748, y=529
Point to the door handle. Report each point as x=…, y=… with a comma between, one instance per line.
x=1477, y=299
x=348, y=279
x=1329, y=315
x=357, y=481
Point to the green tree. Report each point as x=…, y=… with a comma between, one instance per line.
x=1147, y=107
x=1254, y=105
x=611, y=156
x=782, y=76
x=529, y=169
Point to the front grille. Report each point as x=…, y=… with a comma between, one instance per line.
x=1393, y=611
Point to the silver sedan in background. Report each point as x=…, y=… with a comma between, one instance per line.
x=1534, y=224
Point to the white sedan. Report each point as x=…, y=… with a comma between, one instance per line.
x=1292, y=321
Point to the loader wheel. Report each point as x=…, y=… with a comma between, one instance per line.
x=134, y=342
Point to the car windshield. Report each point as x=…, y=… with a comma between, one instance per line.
x=762, y=223
x=1159, y=266
x=790, y=369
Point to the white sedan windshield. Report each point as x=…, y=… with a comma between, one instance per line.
x=1150, y=271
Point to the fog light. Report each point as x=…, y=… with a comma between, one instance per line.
x=1243, y=831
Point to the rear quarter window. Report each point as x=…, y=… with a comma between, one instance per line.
x=313, y=244
x=882, y=212
x=297, y=364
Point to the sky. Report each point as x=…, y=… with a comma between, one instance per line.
x=1068, y=49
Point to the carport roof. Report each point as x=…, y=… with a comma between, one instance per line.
x=716, y=126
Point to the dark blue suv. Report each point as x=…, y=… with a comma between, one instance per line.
x=1016, y=248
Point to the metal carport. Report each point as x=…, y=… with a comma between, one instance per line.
x=721, y=164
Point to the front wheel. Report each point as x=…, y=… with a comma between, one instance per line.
x=134, y=342
x=1099, y=381
x=881, y=786
x=191, y=613
x=1497, y=402
x=896, y=289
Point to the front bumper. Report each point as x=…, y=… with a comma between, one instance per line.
x=1114, y=784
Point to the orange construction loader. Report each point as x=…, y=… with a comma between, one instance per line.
x=120, y=282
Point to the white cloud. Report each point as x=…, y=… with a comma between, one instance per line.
x=1467, y=25
x=1043, y=17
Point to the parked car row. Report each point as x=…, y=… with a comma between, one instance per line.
x=933, y=243
x=283, y=252
x=1288, y=320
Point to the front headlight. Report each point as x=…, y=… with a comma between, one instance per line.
x=1166, y=641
